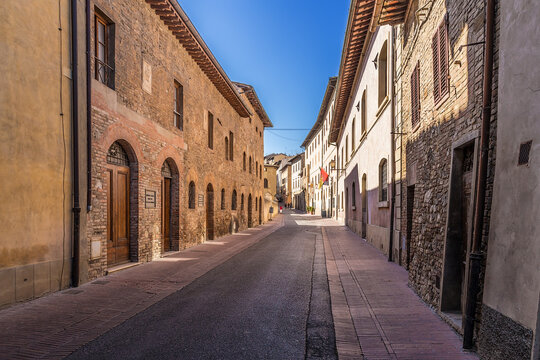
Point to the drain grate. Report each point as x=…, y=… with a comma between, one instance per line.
x=73, y=292
x=101, y=282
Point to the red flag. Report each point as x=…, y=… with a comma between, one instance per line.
x=324, y=175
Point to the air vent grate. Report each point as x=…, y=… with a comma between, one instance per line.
x=524, y=152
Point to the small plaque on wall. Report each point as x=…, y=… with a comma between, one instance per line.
x=201, y=200
x=150, y=199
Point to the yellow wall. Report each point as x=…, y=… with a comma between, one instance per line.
x=35, y=148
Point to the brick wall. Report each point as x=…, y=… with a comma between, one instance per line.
x=143, y=121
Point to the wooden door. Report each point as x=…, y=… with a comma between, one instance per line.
x=466, y=217
x=166, y=214
x=364, y=206
x=250, y=211
x=117, y=215
x=209, y=212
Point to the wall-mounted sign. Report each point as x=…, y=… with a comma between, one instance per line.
x=150, y=199
x=201, y=200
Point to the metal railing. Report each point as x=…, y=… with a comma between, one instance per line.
x=104, y=73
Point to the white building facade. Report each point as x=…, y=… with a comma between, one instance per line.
x=364, y=146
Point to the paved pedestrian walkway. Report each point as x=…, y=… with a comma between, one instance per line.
x=376, y=315
x=54, y=326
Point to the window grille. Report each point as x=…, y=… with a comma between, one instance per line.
x=117, y=155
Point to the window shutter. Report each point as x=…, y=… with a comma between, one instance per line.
x=415, y=95
x=443, y=59
x=436, y=80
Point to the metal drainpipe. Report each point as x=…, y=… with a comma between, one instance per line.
x=392, y=153
x=88, y=113
x=475, y=258
x=75, y=134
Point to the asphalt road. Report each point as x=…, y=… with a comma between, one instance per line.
x=270, y=301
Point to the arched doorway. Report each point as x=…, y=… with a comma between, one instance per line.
x=118, y=204
x=364, y=206
x=166, y=211
x=250, y=211
x=260, y=210
x=209, y=212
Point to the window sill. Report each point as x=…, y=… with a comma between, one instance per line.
x=382, y=107
x=383, y=204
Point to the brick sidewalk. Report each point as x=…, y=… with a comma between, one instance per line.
x=376, y=315
x=55, y=325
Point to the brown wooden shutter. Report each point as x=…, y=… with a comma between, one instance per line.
x=415, y=95
x=436, y=80
x=443, y=59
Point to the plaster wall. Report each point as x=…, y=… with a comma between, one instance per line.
x=513, y=242
x=369, y=148
x=35, y=148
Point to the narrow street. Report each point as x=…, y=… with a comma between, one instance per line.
x=257, y=305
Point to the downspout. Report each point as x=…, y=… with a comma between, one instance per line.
x=475, y=258
x=393, y=150
x=88, y=113
x=75, y=134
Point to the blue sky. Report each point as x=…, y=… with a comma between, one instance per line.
x=286, y=49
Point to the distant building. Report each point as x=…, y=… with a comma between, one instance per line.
x=297, y=174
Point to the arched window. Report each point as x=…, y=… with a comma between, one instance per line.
x=260, y=171
x=256, y=168
x=266, y=183
x=233, y=200
x=191, y=199
x=226, y=148
x=244, y=161
x=363, y=113
x=222, y=199
x=382, y=68
x=242, y=203
x=256, y=204
x=383, y=180
x=353, y=135
x=117, y=155
x=250, y=165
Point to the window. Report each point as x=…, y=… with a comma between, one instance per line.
x=383, y=180
x=242, y=203
x=104, y=50
x=266, y=183
x=364, y=113
x=415, y=95
x=439, y=46
x=353, y=130
x=191, y=199
x=178, y=105
x=346, y=148
x=231, y=146
x=244, y=161
x=383, y=73
x=250, y=166
x=210, y=130
x=226, y=148
x=353, y=202
x=256, y=201
x=260, y=171
x=222, y=199
x=233, y=200
x=256, y=168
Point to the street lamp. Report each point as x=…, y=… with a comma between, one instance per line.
x=333, y=166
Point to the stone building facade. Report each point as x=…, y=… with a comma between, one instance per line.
x=177, y=148
x=439, y=75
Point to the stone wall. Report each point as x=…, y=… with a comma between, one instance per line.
x=428, y=148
